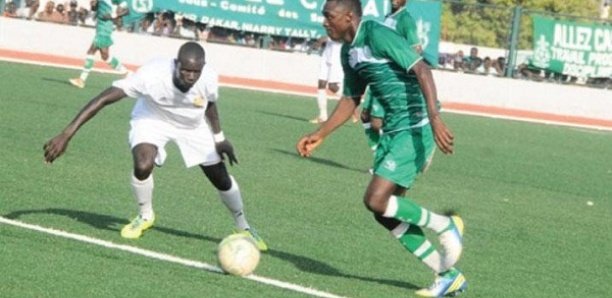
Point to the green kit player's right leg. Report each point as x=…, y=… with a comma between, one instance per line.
x=80, y=81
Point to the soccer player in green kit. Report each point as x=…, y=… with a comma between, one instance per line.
x=372, y=113
x=103, y=41
x=376, y=56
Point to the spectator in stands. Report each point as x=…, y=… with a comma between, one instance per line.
x=83, y=15
x=250, y=40
x=49, y=14
x=472, y=62
x=61, y=13
x=528, y=71
x=202, y=31
x=145, y=24
x=73, y=13
x=486, y=67
x=500, y=65
x=10, y=10
x=265, y=41
x=30, y=9
x=458, y=61
x=165, y=24
x=185, y=28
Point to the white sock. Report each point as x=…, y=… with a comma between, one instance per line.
x=322, y=103
x=436, y=222
x=143, y=193
x=434, y=262
x=233, y=201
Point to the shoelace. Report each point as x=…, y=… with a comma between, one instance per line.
x=137, y=222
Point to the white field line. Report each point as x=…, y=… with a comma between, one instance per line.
x=305, y=94
x=526, y=119
x=165, y=257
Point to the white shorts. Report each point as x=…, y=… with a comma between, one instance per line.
x=196, y=145
x=330, y=72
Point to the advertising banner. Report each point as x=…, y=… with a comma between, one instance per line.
x=577, y=49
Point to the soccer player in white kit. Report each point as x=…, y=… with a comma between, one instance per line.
x=176, y=101
x=330, y=76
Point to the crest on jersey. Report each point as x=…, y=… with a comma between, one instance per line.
x=198, y=101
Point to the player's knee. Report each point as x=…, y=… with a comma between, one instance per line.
x=374, y=203
x=142, y=172
x=219, y=177
x=387, y=222
x=222, y=182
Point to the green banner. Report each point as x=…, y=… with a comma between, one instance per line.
x=292, y=18
x=427, y=17
x=577, y=49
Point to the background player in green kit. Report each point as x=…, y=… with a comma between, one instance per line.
x=372, y=113
x=376, y=56
x=103, y=40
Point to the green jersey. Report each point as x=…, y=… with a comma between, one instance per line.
x=105, y=9
x=380, y=57
x=402, y=22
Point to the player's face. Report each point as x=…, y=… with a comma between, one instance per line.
x=337, y=21
x=187, y=72
x=397, y=4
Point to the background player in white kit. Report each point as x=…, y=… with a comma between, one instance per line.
x=176, y=102
x=330, y=76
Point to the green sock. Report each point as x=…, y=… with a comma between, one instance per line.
x=89, y=62
x=116, y=64
x=406, y=210
x=113, y=62
x=414, y=240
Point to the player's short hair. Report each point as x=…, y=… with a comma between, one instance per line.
x=353, y=5
x=191, y=50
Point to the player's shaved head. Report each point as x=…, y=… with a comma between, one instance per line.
x=188, y=65
x=191, y=51
x=352, y=5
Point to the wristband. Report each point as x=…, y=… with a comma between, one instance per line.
x=219, y=137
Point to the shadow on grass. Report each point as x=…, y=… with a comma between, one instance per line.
x=111, y=223
x=301, y=119
x=322, y=161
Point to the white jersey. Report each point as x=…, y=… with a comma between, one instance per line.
x=331, y=52
x=159, y=99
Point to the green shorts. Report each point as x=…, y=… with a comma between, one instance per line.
x=371, y=104
x=402, y=155
x=102, y=41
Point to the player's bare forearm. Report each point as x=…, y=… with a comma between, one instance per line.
x=212, y=114
x=425, y=78
x=442, y=135
x=343, y=111
x=308, y=143
x=106, y=97
x=55, y=147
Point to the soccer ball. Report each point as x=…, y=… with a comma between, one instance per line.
x=238, y=255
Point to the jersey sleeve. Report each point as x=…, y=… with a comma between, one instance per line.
x=134, y=85
x=353, y=86
x=387, y=43
x=210, y=80
x=406, y=27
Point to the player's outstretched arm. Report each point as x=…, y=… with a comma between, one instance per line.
x=442, y=134
x=55, y=147
x=344, y=110
x=222, y=145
